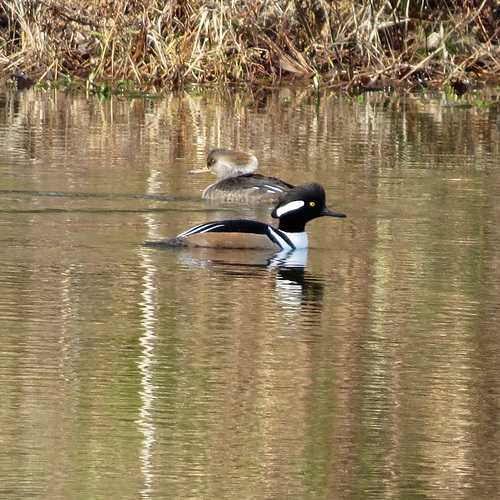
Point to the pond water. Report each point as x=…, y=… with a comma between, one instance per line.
x=368, y=368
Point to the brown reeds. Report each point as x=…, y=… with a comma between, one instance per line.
x=360, y=44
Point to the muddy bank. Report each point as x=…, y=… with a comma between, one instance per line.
x=159, y=45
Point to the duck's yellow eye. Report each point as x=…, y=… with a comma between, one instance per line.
x=312, y=204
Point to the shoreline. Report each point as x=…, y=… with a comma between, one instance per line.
x=353, y=46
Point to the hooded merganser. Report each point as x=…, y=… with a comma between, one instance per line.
x=296, y=208
x=236, y=180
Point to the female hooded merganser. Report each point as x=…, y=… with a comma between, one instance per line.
x=236, y=180
x=296, y=208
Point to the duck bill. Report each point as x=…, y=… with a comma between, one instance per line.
x=201, y=170
x=329, y=213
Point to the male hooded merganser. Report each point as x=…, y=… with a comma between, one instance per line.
x=236, y=180
x=296, y=208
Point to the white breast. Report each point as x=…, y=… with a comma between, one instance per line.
x=298, y=239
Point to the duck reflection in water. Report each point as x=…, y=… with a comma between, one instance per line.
x=298, y=293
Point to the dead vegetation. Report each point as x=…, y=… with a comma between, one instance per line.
x=364, y=45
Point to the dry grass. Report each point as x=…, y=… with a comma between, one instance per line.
x=359, y=44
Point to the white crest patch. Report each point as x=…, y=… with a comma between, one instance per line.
x=289, y=207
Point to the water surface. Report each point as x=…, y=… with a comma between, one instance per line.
x=130, y=372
